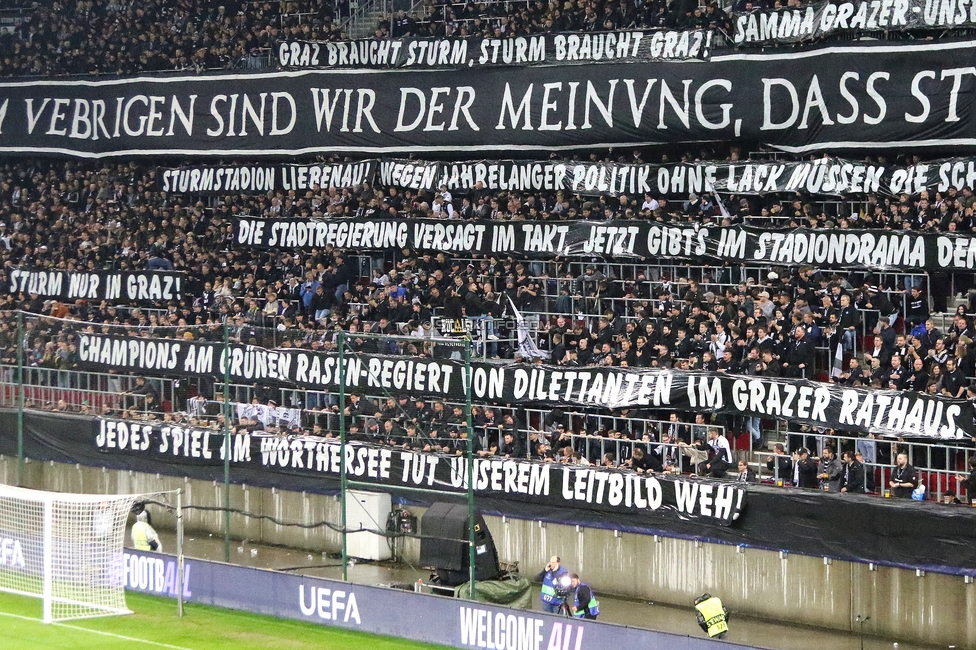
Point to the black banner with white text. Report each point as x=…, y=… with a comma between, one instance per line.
x=260, y=179
x=809, y=522
x=315, y=458
x=872, y=96
x=820, y=19
x=840, y=248
x=96, y=286
x=823, y=176
x=627, y=46
x=796, y=400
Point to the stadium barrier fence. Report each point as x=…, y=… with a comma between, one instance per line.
x=391, y=612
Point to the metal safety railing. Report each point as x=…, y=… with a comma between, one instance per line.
x=939, y=466
x=361, y=21
x=261, y=58
x=82, y=391
x=595, y=447
x=540, y=428
x=532, y=425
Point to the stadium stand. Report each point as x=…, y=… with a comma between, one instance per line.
x=502, y=19
x=80, y=38
x=587, y=313
x=904, y=334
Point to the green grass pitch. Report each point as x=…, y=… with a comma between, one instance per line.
x=156, y=625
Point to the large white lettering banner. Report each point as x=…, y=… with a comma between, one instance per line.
x=918, y=94
x=820, y=19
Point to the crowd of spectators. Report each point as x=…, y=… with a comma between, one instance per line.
x=507, y=19
x=81, y=215
x=89, y=216
x=59, y=37
x=92, y=216
x=677, y=443
x=121, y=37
x=500, y=19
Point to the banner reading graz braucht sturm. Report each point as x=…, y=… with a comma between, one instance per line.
x=863, y=96
x=796, y=400
x=112, y=286
x=308, y=458
x=625, y=46
x=868, y=249
x=821, y=19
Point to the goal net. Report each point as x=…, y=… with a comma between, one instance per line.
x=65, y=549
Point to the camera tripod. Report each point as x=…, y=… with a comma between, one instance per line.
x=564, y=608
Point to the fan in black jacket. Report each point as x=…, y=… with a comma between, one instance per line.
x=799, y=358
x=782, y=461
x=970, y=483
x=644, y=462
x=745, y=475
x=805, y=469
x=852, y=480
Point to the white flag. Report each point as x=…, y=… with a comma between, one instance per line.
x=721, y=205
x=838, y=365
x=526, y=346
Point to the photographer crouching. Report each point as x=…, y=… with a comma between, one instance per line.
x=581, y=600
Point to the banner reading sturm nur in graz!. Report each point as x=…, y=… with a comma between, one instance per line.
x=113, y=286
x=863, y=96
x=866, y=249
x=796, y=400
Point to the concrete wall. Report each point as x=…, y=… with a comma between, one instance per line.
x=933, y=608
x=293, y=507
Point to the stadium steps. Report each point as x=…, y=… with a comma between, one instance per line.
x=367, y=14
x=364, y=24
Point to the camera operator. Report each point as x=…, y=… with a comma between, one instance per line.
x=581, y=600
x=554, y=580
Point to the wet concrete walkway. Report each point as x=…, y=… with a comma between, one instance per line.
x=666, y=618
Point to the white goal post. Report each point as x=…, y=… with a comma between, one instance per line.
x=66, y=549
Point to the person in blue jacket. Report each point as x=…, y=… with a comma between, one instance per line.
x=585, y=604
x=555, y=585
